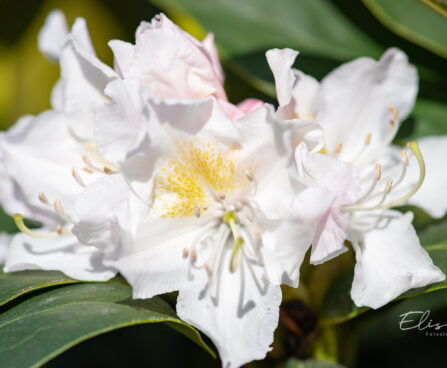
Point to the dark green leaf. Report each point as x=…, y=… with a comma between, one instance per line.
x=295, y=363
x=45, y=325
x=430, y=118
x=15, y=284
x=414, y=20
x=242, y=27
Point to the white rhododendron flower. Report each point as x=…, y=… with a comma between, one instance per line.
x=39, y=156
x=210, y=191
x=359, y=107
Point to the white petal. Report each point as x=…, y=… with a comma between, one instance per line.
x=63, y=253
x=119, y=123
x=84, y=79
x=390, y=261
x=154, y=264
x=432, y=196
x=355, y=100
x=280, y=62
x=123, y=53
x=242, y=323
x=53, y=35
x=106, y=212
x=38, y=154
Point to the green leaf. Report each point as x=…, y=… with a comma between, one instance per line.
x=430, y=118
x=241, y=27
x=295, y=363
x=15, y=284
x=338, y=306
x=45, y=325
x=414, y=20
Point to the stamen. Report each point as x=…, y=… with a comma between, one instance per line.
x=197, y=211
x=18, y=219
x=404, y=158
x=417, y=153
x=362, y=150
x=89, y=163
x=193, y=255
x=77, y=177
x=88, y=170
x=360, y=207
x=394, y=113
x=185, y=253
x=236, y=254
x=339, y=147
x=391, y=125
x=43, y=198
x=60, y=211
x=378, y=169
x=222, y=196
x=208, y=270
x=376, y=179
x=108, y=171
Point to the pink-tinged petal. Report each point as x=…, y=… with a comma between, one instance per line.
x=210, y=47
x=287, y=243
x=170, y=62
x=390, y=261
x=342, y=180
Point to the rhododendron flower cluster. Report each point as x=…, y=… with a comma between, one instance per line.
x=147, y=170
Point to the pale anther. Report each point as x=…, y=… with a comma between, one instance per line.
x=394, y=113
x=185, y=253
x=43, y=198
x=59, y=229
x=193, y=256
x=403, y=155
x=378, y=169
x=208, y=269
x=368, y=139
x=77, y=177
x=339, y=147
x=389, y=184
x=197, y=211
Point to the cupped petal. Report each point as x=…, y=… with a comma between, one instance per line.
x=432, y=196
x=390, y=261
x=53, y=35
x=286, y=244
x=63, y=253
x=240, y=319
x=355, y=101
x=171, y=63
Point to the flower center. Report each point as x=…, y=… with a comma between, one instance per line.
x=200, y=175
